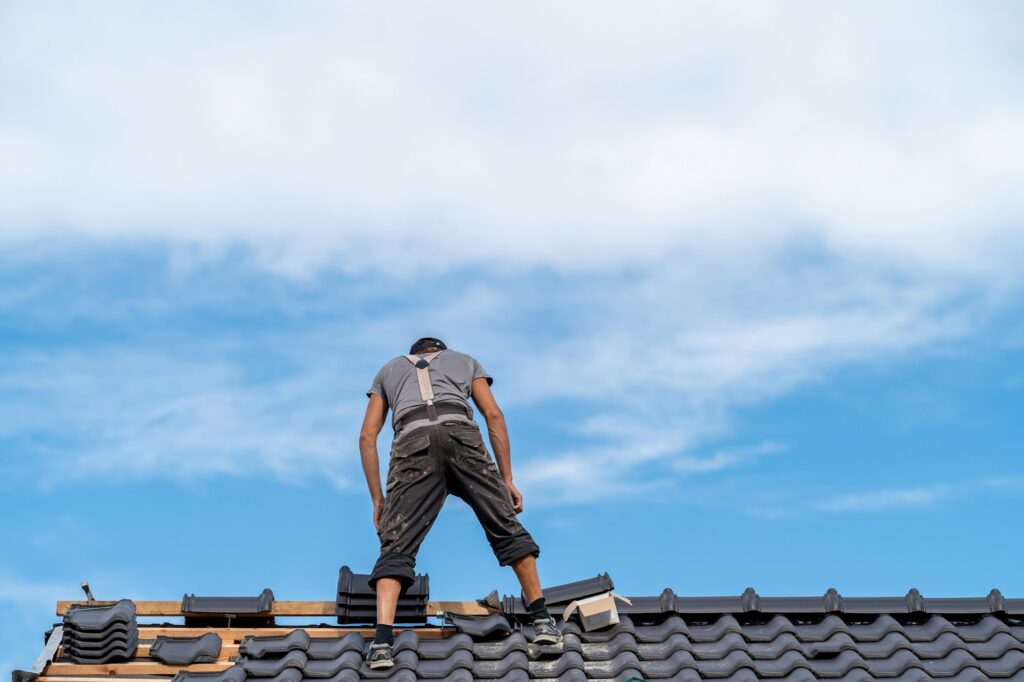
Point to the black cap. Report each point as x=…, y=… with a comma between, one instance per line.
x=425, y=343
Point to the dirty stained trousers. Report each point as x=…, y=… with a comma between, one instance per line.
x=426, y=465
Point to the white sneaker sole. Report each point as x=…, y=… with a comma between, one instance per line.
x=546, y=639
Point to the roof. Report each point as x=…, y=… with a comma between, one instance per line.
x=739, y=638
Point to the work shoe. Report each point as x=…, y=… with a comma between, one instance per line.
x=380, y=656
x=545, y=631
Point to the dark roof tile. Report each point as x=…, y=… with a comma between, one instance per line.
x=724, y=667
x=788, y=642
x=668, y=666
x=444, y=647
x=781, y=666
x=480, y=627
x=570, y=675
x=261, y=603
x=604, y=651
x=269, y=667
x=328, y=668
x=556, y=667
x=441, y=668
x=661, y=632
x=489, y=669
x=489, y=651
x=1010, y=663
x=623, y=665
x=655, y=651
x=714, y=631
x=837, y=666
x=186, y=650
x=260, y=647
x=286, y=675
x=333, y=647
x=233, y=674
x=720, y=648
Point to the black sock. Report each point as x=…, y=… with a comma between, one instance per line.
x=538, y=609
x=385, y=634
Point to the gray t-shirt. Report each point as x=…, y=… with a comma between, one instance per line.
x=451, y=376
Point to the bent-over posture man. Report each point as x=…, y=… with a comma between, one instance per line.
x=438, y=449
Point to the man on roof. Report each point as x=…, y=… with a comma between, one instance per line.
x=438, y=449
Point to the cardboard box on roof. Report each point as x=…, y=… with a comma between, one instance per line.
x=596, y=612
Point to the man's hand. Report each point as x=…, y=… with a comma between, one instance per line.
x=517, y=497
x=373, y=421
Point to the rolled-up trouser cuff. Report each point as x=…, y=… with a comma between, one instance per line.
x=394, y=565
x=509, y=550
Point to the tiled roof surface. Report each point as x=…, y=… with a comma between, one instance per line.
x=739, y=638
x=779, y=647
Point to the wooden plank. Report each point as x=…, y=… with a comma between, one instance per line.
x=81, y=678
x=173, y=608
x=283, y=608
x=130, y=668
x=227, y=651
x=235, y=635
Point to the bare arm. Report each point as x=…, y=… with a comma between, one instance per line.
x=498, y=433
x=373, y=422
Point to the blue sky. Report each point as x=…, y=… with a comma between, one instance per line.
x=748, y=283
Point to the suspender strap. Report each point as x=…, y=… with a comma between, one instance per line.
x=423, y=377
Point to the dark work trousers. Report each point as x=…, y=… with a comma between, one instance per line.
x=426, y=464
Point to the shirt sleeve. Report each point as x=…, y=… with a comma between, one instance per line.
x=479, y=371
x=377, y=387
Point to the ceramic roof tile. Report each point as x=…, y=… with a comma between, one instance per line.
x=490, y=669
x=269, y=667
x=786, y=642
x=328, y=668
x=489, y=651
x=443, y=648
x=261, y=603
x=440, y=668
x=233, y=674
x=556, y=667
x=653, y=651
x=186, y=650
x=260, y=647
x=604, y=651
x=333, y=647
x=668, y=666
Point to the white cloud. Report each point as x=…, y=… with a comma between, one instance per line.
x=336, y=135
x=724, y=459
x=695, y=208
x=125, y=414
x=886, y=499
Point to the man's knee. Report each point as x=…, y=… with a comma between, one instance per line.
x=511, y=549
x=394, y=565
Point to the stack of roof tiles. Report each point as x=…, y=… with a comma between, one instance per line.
x=357, y=602
x=100, y=634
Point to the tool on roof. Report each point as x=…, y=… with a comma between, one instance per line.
x=88, y=592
